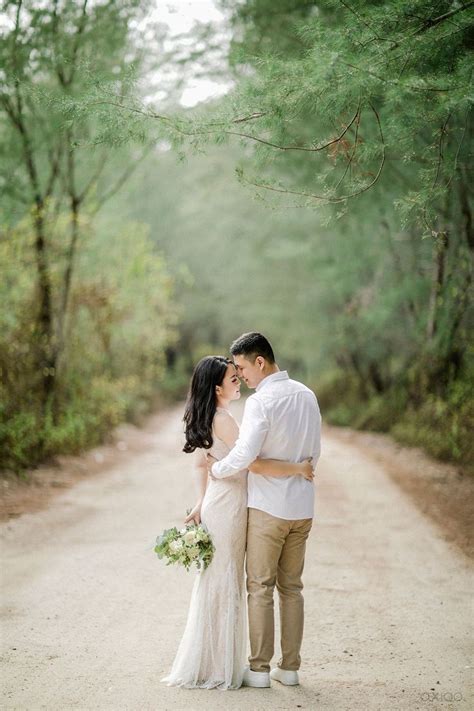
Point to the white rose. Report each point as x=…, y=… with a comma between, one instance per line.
x=176, y=546
x=189, y=537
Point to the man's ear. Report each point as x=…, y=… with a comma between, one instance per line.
x=261, y=362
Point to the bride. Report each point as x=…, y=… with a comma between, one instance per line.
x=212, y=651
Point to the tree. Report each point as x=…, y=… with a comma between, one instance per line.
x=86, y=314
x=345, y=99
x=342, y=101
x=362, y=115
x=48, y=52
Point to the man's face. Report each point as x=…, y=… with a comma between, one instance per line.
x=250, y=371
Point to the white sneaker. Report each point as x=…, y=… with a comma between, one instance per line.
x=258, y=679
x=288, y=678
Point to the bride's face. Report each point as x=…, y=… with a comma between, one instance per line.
x=229, y=389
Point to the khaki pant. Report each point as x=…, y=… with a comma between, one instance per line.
x=275, y=556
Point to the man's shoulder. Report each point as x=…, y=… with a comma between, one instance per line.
x=294, y=387
x=299, y=387
x=252, y=402
x=286, y=389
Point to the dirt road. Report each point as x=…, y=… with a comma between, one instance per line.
x=91, y=619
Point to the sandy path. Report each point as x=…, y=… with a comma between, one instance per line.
x=91, y=619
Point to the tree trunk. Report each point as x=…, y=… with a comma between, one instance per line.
x=44, y=327
x=439, y=259
x=358, y=370
x=70, y=256
x=376, y=377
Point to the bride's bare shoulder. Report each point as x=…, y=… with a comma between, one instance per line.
x=225, y=426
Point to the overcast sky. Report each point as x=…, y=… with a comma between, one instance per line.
x=181, y=17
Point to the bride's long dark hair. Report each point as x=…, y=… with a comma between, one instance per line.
x=202, y=402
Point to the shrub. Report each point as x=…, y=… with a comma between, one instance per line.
x=443, y=427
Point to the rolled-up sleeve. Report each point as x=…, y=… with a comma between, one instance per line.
x=253, y=431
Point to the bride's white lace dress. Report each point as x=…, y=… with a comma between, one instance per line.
x=212, y=651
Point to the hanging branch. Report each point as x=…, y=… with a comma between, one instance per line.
x=442, y=134
x=455, y=162
x=309, y=149
x=325, y=198
x=353, y=151
x=200, y=132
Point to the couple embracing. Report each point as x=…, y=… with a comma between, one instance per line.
x=256, y=498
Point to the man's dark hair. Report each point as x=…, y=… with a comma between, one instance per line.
x=251, y=345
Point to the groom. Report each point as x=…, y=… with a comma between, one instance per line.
x=281, y=421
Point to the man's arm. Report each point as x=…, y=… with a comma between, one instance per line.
x=252, y=434
x=317, y=442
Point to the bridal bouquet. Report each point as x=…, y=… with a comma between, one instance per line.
x=188, y=546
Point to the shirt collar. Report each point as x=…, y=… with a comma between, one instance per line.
x=279, y=375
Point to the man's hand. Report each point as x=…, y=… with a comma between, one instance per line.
x=210, y=461
x=307, y=470
x=194, y=515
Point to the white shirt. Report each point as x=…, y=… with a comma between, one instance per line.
x=281, y=421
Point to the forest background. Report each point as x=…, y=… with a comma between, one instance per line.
x=325, y=199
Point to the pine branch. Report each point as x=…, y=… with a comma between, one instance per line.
x=437, y=20
x=201, y=132
x=310, y=149
x=455, y=162
x=398, y=83
x=353, y=151
x=325, y=198
x=366, y=24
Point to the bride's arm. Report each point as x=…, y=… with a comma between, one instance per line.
x=227, y=429
x=277, y=468
x=200, y=477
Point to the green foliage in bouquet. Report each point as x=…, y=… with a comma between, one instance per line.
x=188, y=546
